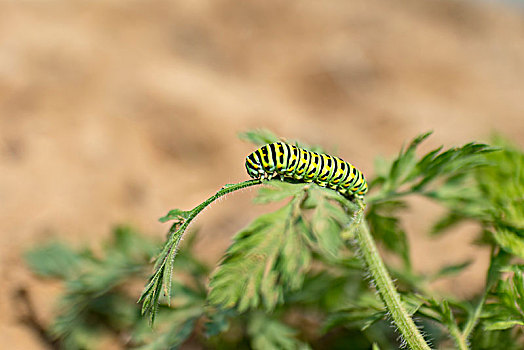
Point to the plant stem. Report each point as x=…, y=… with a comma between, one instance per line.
x=385, y=286
x=164, y=262
x=459, y=338
x=223, y=191
x=472, y=321
x=174, y=240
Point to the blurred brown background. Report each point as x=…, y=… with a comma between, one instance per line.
x=117, y=111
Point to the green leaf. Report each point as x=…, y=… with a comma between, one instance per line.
x=450, y=270
x=506, y=339
x=405, y=163
x=392, y=174
x=261, y=137
x=451, y=162
x=258, y=137
x=276, y=190
x=187, y=263
x=80, y=336
x=179, y=216
x=441, y=310
x=492, y=194
x=53, y=260
x=502, y=186
x=334, y=291
x=218, y=322
x=327, y=221
x=385, y=226
x=446, y=222
x=509, y=241
x=174, y=326
x=128, y=245
x=366, y=311
x=408, y=175
x=361, y=318
x=92, y=301
x=161, y=278
x=265, y=259
x=506, y=310
x=412, y=302
x=270, y=334
x=498, y=262
x=499, y=325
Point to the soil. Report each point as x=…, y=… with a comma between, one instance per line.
x=117, y=111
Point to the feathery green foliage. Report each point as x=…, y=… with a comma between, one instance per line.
x=265, y=258
x=295, y=278
x=271, y=334
x=274, y=252
x=508, y=310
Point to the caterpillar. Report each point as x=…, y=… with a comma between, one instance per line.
x=295, y=164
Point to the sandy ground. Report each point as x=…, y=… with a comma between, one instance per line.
x=117, y=111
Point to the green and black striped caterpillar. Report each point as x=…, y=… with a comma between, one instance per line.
x=297, y=164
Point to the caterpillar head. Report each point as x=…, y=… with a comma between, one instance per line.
x=253, y=167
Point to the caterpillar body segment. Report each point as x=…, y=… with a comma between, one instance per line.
x=294, y=157
x=293, y=163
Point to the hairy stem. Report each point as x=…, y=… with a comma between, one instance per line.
x=460, y=339
x=176, y=231
x=164, y=262
x=473, y=320
x=174, y=240
x=223, y=191
x=385, y=286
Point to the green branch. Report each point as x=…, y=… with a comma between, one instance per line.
x=384, y=284
x=161, y=278
x=460, y=339
x=491, y=278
